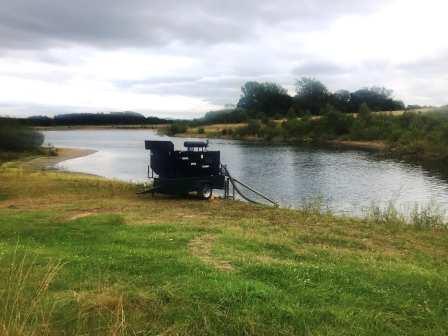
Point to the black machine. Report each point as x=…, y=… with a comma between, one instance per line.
x=193, y=170
x=181, y=172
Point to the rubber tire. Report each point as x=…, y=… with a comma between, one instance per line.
x=205, y=192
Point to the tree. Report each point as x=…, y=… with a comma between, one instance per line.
x=377, y=98
x=341, y=100
x=16, y=136
x=311, y=94
x=267, y=98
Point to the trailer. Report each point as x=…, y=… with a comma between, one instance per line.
x=196, y=169
x=176, y=172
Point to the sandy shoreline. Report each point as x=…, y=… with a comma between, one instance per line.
x=64, y=154
x=366, y=145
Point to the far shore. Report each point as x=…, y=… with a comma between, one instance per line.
x=214, y=132
x=97, y=127
x=376, y=145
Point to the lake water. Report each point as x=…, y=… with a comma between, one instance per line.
x=347, y=181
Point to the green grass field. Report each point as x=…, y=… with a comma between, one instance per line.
x=81, y=255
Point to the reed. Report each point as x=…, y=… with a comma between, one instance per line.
x=427, y=216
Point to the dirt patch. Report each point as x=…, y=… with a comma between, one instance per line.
x=369, y=145
x=80, y=215
x=201, y=247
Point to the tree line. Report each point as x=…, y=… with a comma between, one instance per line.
x=411, y=135
x=312, y=97
x=95, y=119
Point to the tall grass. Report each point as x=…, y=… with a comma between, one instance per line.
x=25, y=305
x=429, y=216
x=315, y=206
x=101, y=311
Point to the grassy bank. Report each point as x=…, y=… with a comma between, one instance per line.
x=85, y=255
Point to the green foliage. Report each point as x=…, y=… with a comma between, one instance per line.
x=252, y=129
x=231, y=116
x=112, y=118
x=311, y=95
x=415, y=136
x=16, y=137
x=364, y=111
x=267, y=98
x=377, y=98
x=176, y=128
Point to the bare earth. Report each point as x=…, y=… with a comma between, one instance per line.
x=369, y=145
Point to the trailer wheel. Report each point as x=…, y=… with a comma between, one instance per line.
x=205, y=192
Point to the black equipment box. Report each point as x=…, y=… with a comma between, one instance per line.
x=180, y=172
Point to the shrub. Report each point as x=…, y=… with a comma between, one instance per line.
x=253, y=128
x=176, y=128
x=17, y=137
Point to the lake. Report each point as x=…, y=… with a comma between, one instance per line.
x=347, y=181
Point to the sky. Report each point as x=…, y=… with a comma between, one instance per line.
x=180, y=59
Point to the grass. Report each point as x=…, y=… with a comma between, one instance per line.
x=24, y=296
x=85, y=256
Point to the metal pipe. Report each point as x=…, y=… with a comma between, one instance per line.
x=256, y=192
x=232, y=180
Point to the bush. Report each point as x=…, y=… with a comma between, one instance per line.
x=176, y=128
x=253, y=128
x=17, y=137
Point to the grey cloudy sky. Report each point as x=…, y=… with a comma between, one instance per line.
x=183, y=58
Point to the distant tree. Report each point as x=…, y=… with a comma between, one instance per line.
x=341, y=100
x=413, y=107
x=267, y=98
x=113, y=118
x=311, y=95
x=228, y=116
x=377, y=98
x=40, y=121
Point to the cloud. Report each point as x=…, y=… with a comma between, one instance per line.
x=141, y=23
x=319, y=69
x=184, y=58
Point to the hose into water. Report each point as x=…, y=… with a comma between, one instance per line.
x=234, y=185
